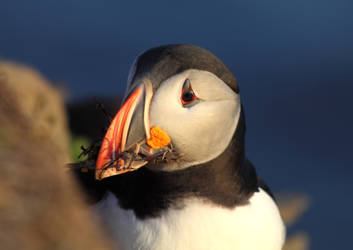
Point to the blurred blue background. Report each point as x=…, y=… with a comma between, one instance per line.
x=293, y=61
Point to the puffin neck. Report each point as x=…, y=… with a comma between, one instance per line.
x=228, y=180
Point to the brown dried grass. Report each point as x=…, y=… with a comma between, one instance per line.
x=40, y=205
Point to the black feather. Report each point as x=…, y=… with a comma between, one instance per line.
x=229, y=180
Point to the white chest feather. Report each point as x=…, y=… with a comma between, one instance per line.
x=198, y=225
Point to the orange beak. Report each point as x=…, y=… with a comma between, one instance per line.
x=109, y=161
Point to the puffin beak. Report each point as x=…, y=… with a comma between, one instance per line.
x=128, y=131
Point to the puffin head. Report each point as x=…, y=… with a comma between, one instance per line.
x=180, y=99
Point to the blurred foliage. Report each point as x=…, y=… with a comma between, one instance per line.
x=76, y=143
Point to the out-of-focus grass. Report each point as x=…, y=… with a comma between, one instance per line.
x=41, y=206
x=76, y=143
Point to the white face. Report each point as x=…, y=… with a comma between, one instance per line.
x=202, y=129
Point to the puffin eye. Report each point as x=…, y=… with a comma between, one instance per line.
x=188, y=97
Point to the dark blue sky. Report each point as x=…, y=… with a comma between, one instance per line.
x=293, y=61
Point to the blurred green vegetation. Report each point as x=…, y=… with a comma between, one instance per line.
x=76, y=143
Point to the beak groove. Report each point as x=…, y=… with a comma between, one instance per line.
x=146, y=113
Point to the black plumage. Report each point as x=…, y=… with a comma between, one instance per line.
x=228, y=180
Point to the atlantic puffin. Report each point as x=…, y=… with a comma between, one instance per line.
x=196, y=189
